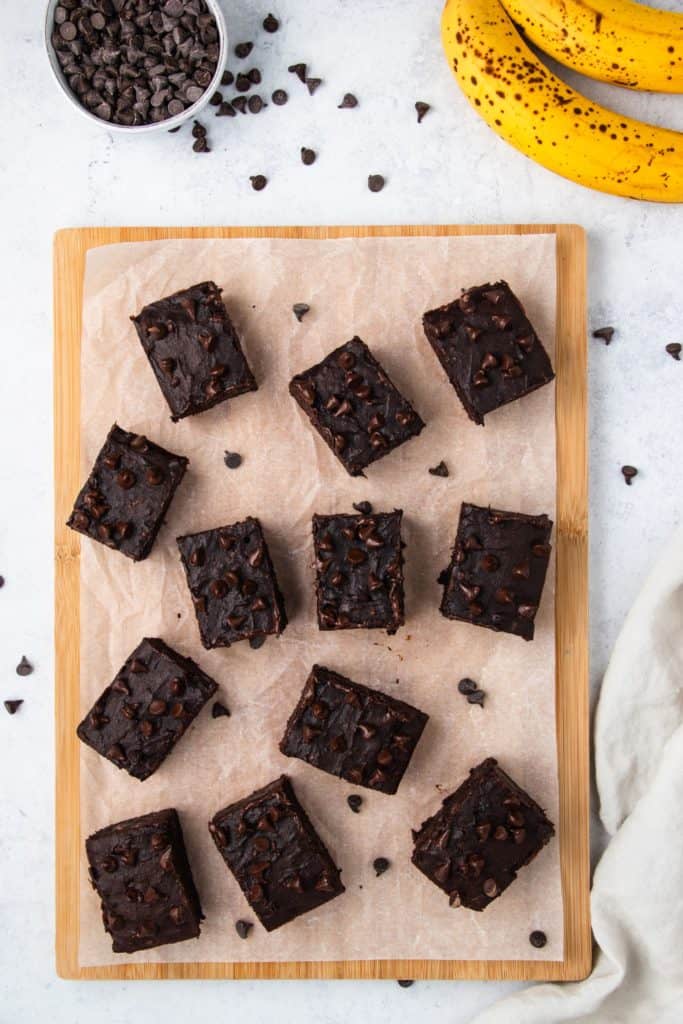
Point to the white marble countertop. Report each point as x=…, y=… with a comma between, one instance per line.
x=56, y=170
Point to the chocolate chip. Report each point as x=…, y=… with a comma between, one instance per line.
x=299, y=70
x=125, y=479
x=440, y=470
x=270, y=23
x=226, y=110
x=466, y=686
x=219, y=711
x=12, y=706
x=422, y=109
x=24, y=668
x=243, y=928
x=538, y=939
x=242, y=50
x=674, y=350
x=604, y=334
x=380, y=864
x=227, y=78
x=233, y=460
x=243, y=83
x=355, y=802
x=307, y=156
x=405, y=982
x=375, y=182
x=279, y=97
x=300, y=309
x=255, y=104
x=629, y=472
x=256, y=642
x=364, y=507
x=239, y=103
x=254, y=76
x=258, y=182
x=349, y=102
x=312, y=84
x=476, y=698
x=201, y=146
x=2, y=582
x=216, y=99
x=198, y=130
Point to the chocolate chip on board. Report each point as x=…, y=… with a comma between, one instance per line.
x=270, y=23
x=364, y=507
x=355, y=802
x=227, y=78
x=226, y=110
x=254, y=76
x=24, y=668
x=200, y=145
x=233, y=460
x=422, y=109
x=313, y=84
x=477, y=697
x=256, y=642
x=629, y=472
x=440, y=470
x=12, y=706
x=604, y=334
x=405, y=982
x=299, y=70
x=216, y=99
x=243, y=83
x=538, y=939
x=674, y=350
x=349, y=102
x=380, y=864
x=466, y=686
x=219, y=710
x=2, y=582
x=198, y=130
x=300, y=309
x=258, y=182
x=279, y=97
x=307, y=156
x=242, y=50
x=239, y=103
x=243, y=928
x=255, y=104
x=375, y=182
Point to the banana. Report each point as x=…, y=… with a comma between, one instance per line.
x=616, y=41
x=529, y=107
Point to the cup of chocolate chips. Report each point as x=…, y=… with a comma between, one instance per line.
x=137, y=65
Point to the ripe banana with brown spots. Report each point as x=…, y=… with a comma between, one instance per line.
x=533, y=110
x=617, y=41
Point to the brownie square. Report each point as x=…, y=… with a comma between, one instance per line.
x=484, y=833
x=354, y=406
x=497, y=569
x=359, y=566
x=194, y=350
x=275, y=854
x=140, y=717
x=488, y=348
x=352, y=731
x=233, y=585
x=124, y=500
x=140, y=871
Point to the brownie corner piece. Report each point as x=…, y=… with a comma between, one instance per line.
x=359, y=571
x=137, y=720
x=233, y=584
x=275, y=854
x=357, y=410
x=140, y=871
x=194, y=350
x=497, y=570
x=127, y=494
x=352, y=731
x=483, y=834
x=488, y=348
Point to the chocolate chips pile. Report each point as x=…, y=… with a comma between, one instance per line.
x=135, y=62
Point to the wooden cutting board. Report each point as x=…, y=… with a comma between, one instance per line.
x=571, y=616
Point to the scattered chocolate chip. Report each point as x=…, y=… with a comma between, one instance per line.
x=227, y=78
x=299, y=70
x=307, y=156
x=256, y=642
x=254, y=76
x=270, y=23
x=466, y=686
x=12, y=706
x=242, y=50
x=312, y=84
x=198, y=130
x=172, y=131
x=355, y=802
x=348, y=102
x=243, y=928
x=380, y=864
x=216, y=99
x=364, y=507
x=405, y=982
x=24, y=668
x=477, y=697
x=233, y=460
x=674, y=350
x=255, y=104
x=2, y=582
x=375, y=182
x=604, y=334
x=219, y=711
x=629, y=473
x=538, y=939
x=422, y=109
x=243, y=83
x=279, y=97
x=258, y=182
x=226, y=110
x=300, y=309
x=200, y=145
x=440, y=470
x=239, y=103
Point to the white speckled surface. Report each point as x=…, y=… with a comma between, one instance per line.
x=55, y=171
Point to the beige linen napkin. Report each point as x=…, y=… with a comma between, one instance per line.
x=637, y=897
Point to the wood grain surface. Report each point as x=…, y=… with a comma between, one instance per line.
x=571, y=614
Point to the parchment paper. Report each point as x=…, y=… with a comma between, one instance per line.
x=378, y=289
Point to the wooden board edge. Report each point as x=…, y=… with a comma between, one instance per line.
x=71, y=246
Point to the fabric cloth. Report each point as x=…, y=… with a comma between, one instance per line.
x=637, y=895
